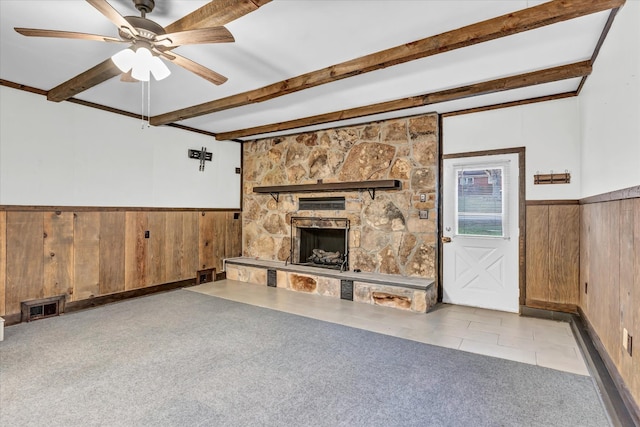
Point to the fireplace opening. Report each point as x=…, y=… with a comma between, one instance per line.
x=320, y=242
x=322, y=245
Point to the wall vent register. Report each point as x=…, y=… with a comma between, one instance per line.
x=41, y=308
x=205, y=276
x=346, y=289
x=272, y=278
x=321, y=204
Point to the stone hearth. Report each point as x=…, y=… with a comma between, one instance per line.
x=405, y=293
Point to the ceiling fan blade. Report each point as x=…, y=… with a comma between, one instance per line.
x=202, y=35
x=34, y=32
x=112, y=15
x=195, y=68
x=215, y=13
x=127, y=77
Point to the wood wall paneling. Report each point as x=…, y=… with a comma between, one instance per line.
x=154, y=265
x=608, y=282
x=595, y=273
x=564, y=252
x=58, y=254
x=635, y=302
x=189, y=264
x=3, y=259
x=220, y=226
x=92, y=252
x=112, y=252
x=25, y=270
x=174, y=242
x=553, y=256
x=135, y=249
x=610, y=264
x=585, y=238
x=206, y=251
x=604, y=272
x=630, y=288
x=537, y=253
x=86, y=257
x=233, y=236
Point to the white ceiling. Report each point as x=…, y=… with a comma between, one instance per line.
x=287, y=38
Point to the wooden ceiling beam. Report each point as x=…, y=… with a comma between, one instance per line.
x=214, y=13
x=83, y=81
x=517, y=103
x=548, y=75
x=523, y=20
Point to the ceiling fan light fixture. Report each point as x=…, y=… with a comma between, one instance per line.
x=140, y=73
x=142, y=64
x=158, y=68
x=124, y=60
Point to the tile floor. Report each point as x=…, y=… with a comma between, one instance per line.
x=540, y=342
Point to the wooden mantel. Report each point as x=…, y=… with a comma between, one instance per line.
x=370, y=186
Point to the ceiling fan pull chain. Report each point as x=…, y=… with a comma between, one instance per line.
x=145, y=119
x=148, y=101
x=141, y=104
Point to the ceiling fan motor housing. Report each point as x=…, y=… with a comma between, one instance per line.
x=144, y=6
x=145, y=27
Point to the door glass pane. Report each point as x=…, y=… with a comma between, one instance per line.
x=480, y=207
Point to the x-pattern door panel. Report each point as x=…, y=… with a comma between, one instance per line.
x=480, y=211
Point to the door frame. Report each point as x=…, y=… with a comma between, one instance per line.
x=522, y=219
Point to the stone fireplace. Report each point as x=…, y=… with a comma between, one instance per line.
x=386, y=234
x=320, y=242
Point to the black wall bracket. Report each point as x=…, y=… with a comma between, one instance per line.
x=201, y=155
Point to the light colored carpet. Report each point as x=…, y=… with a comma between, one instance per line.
x=183, y=358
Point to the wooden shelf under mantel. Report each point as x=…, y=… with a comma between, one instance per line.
x=370, y=186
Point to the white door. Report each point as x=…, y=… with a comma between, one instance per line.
x=480, y=232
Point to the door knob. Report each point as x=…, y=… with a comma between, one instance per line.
x=446, y=239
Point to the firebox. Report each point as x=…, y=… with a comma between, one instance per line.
x=320, y=242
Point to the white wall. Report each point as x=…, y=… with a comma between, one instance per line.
x=63, y=154
x=610, y=109
x=596, y=136
x=548, y=131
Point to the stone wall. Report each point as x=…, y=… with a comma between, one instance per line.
x=387, y=235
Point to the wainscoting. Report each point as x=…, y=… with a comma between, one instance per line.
x=85, y=253
x=584, y=256
x=610, y=283
x=553, y=255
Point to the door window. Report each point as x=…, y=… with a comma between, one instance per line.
x=480, y=204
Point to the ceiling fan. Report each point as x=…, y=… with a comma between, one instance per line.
x=148, y=43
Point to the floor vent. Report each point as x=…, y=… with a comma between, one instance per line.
x=41, y=308
x=272, y=278
x=346, y=289
x=205, y=276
